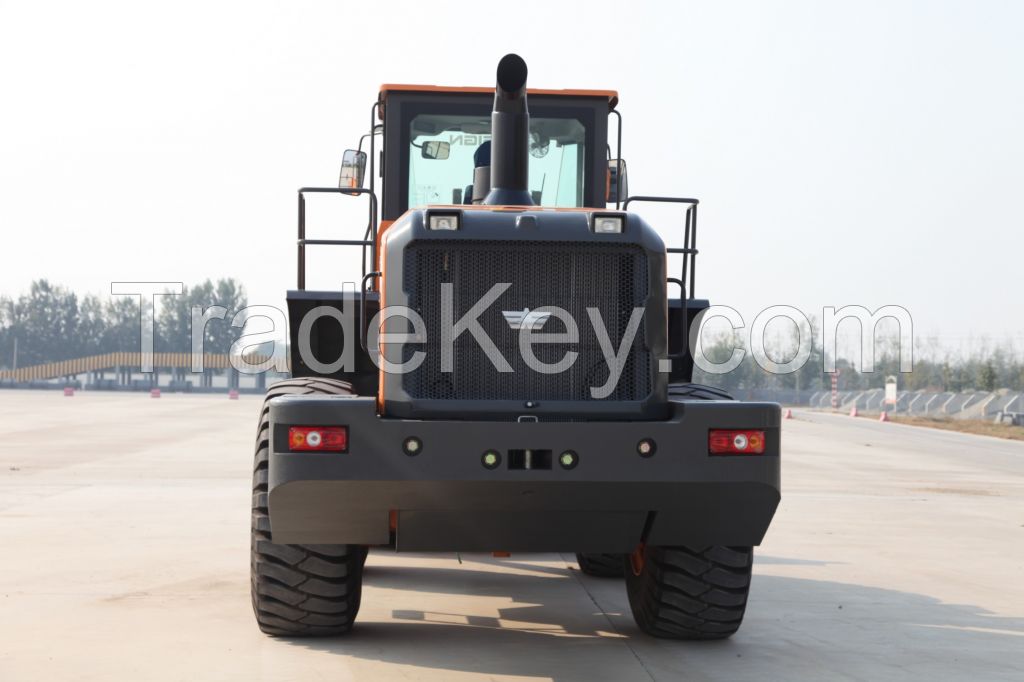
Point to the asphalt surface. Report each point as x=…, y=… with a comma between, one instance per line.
x=897, y=554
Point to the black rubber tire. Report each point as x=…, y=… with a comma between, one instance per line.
x=600, y=565
x=686, y=593
x=683, y=593
x=697, y=392
x=299, y=590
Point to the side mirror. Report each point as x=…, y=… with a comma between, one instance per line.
x=353, y=168
x=435, y=150
x=618, y=187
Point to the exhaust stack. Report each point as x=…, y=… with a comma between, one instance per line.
x=510, y=136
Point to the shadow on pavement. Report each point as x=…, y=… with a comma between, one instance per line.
x=795, y=629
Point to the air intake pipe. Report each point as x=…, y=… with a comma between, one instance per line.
x=510, y=136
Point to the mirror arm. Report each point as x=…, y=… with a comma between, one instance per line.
x=377, y=130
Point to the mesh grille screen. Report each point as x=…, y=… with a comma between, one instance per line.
x=610, y=277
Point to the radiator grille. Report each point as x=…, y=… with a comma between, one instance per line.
x=574, y=276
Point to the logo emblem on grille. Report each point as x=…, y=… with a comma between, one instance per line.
x=526, y=318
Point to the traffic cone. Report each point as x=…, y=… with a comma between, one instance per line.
x=884, y=417
x=788, y=414
x=154, y=393
x=853, y=411
x=232, y=394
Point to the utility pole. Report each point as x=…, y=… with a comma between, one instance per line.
x=14, y=363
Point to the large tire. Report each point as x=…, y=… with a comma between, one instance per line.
x=299, y=590
x=600, y=565
x=697, y=392
x=683, y=593
x=686, y=593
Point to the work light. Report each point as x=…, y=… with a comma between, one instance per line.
x=444, y=222
x=608, y=224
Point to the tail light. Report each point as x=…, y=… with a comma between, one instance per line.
x=722, y=442
x=318, y=438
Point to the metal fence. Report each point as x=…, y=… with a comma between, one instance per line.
x=964, y=405
x=122, y=371
x=1001, y=405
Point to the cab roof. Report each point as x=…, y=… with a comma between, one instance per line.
x=611, y=95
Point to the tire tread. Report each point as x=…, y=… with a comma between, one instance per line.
x=697, y=392
x=299, y=590
x=600, y=565
x=687, y=593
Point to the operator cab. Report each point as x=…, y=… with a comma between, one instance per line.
x=437, y=147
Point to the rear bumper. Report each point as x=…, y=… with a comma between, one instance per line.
x=444, y=499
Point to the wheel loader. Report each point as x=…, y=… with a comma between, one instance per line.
x=509, y=371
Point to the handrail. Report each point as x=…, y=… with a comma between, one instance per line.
x=363, y=322
x=303, y=242
x=336, y=242
x=374, y=111
x=618, y=160
x=689, y=248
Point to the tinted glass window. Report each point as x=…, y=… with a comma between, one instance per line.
x=557, y=158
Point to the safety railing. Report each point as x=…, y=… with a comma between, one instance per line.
x=303, y=242
x=689, y=247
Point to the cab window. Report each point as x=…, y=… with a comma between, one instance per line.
x=443, y=173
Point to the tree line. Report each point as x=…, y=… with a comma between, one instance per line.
x=986, y=367
x=51, y=323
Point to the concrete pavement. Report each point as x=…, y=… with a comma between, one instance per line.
x=897, y=553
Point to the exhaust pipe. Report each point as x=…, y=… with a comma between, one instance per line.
x=510, y=136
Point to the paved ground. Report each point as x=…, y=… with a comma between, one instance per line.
x=898, y=553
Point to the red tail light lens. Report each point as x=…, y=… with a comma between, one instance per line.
x=721, y=442
x=318, y=438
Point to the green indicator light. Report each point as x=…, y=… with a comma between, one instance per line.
x=491, y=459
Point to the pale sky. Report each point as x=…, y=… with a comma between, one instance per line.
x=844, y=153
